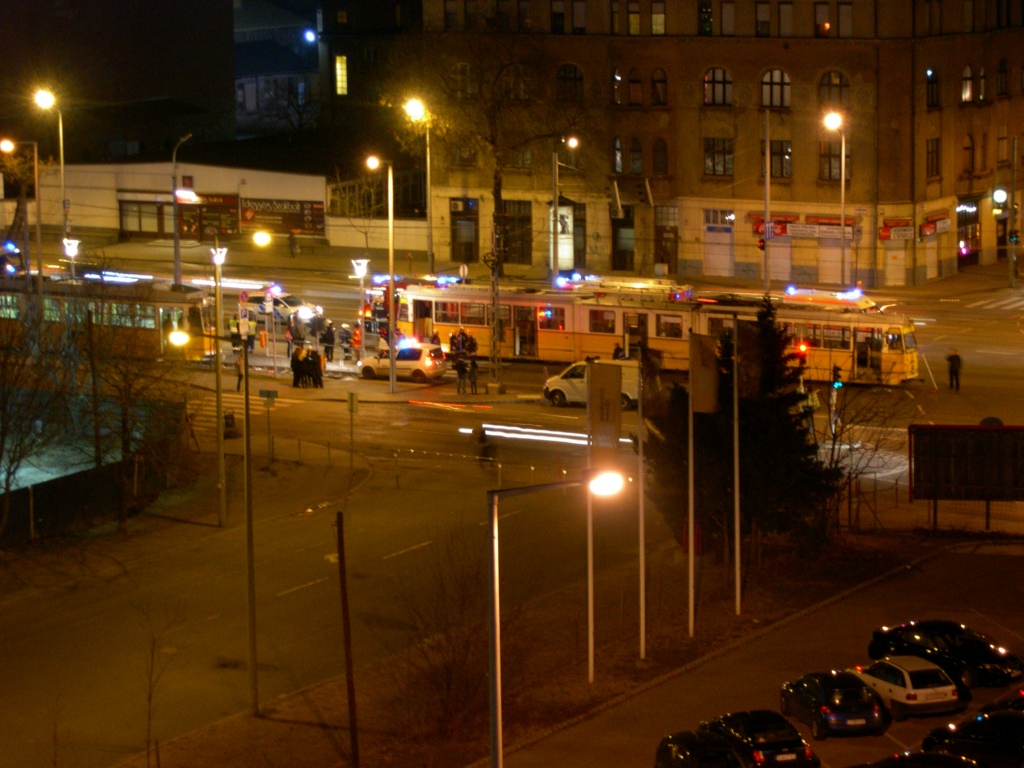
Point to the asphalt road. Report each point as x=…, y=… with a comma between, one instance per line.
x=979, y=585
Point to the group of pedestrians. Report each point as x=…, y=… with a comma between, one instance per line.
x=462, y=348
x=307, y=367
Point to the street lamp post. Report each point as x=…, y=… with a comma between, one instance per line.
x=572, y=142
x=46, y=100
x=599, y=484
x=219, y=255
x=174, y=208
x=834, y=122
x=360, y=266
x=417, y=112
x=373, y=163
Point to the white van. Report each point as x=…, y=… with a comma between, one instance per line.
x=570, y=386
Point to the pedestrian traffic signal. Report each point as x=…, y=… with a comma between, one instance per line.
x=837, y=377
x=1014, y=236
x=760, y=243
x=801, y=352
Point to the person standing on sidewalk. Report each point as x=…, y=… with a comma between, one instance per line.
x=240, y=370
x=473, y=370
x=954, y=362
x=460, y=372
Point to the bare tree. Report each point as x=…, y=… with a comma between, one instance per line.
x=296, y=105
x=158, y=655
x=360, y=201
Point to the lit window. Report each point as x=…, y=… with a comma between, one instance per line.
x=341, y=75
x=617, y=156
x=781, y=160
x=657, y=18
x=633, y=18
x=717, y=88
x=967, y=89
x=821, y=20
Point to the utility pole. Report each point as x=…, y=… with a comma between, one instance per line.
x=1013, y=220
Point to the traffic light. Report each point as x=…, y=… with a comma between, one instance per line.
x=760, y=243
x=801, y=352
x=1014, y=236
x=837, y=377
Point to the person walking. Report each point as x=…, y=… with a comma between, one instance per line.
x=240, y=370
x=330, y=336
x=955, y=363
x=460, y=372
x=473, y=370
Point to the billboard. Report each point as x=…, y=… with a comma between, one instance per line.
x=303, y=217
x=967, y=463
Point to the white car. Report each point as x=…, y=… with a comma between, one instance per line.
x=909, y=685
x=286, y=305
x=419, y=362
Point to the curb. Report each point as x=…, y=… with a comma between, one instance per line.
x=712, y=655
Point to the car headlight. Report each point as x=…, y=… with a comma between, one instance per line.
x=304, y=313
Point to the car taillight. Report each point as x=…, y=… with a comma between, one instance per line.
x=759, y=757
x=875, y=709
x=824, y=710
x=955, y=693
x=911, y=697
x=808, y=752
x=428, y=362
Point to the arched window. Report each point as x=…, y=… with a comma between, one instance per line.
x=636, y=156
x=834, y=90
x=570, y=83
x=981, y=84
x=967, y=89
x=636, y=88
x=616, y=87
x=717, y=88
x=968, y=154
x=617, y=156
x=463, y=85
x=659, y=88
x=934, y=95
x=660, y=157
x=775, y=89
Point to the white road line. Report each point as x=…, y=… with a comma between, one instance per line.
x=1001, y=303
x=903, y=747
x=920, y=409
x=410, y=549
x=301, y=586
x=995, y=352
x=977, y=304
x=930, y=374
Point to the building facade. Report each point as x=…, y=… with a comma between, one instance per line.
x=681, y=97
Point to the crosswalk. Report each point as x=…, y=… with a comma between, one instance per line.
x=1006, y=303
x=204, y=411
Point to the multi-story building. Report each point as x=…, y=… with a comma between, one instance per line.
x=682, y=98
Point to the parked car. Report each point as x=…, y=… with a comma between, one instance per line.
x=834, y=702
x=920, y=760
x=909, y=685
x=687, y=749
x=965, y=655
x=417, y=361
x=1012, y=700
x=285, y=305
x=762, y=738
x=995, y=739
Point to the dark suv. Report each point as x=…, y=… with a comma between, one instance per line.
x=967, y=656
x=687, y=749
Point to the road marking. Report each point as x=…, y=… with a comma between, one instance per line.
x=301, y=586
x=410, y=549
x=920, y=409
x=909, y=394
x=897, y=742
x=930, y=374
x=995, y=352
x=1005, y=629
x=977, y=304
x=939, y=338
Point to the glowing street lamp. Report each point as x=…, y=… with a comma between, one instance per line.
x=598, y=484
x=46, y=100
x=8, y=146
x=373, y=163
x=834, y=122
x=417, y=112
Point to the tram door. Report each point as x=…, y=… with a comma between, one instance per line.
x=867, y=344
x=635, y=332
x=526, y=331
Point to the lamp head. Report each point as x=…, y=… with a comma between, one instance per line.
x=6, y=145
x=178, y=338
x=44, y=99
x=415, y=109
x=261, y=238
x=606, y=483
x=572, y=142
x=219, y=255
x=833, y=121
x=373, y=162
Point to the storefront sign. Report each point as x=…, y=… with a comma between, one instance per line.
x=779, y=228
x=943, y=225
x=895, y=223
x=809, y=231
x=303, y=217
x=896, y=233
x=928, y=229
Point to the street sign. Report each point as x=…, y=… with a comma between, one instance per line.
x=353, y=402
x=769, y=230
x=463, y=271
x=243, y=297
x=268, y=302
x=268, y=395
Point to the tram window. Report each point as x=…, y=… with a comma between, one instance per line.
x=504, y=314
x=835, y=337
x=894, y=340
x=669, y=326
x=602, y=321
x=145, y=316
x=910, y=340
x=551, y=318
x=716, y=326
x=9, y=306
x=446, y=312
x=51, y=310
x=121, y=315
x=474, y=314
x=807, y=334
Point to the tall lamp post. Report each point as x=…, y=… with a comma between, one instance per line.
x=834, y=122
x=174, y=208
x=417, y=112
x=46, y=100
x=598, y=484
x=373, y=163
x=219, y=255
x=571, y=142
x=9, y=146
